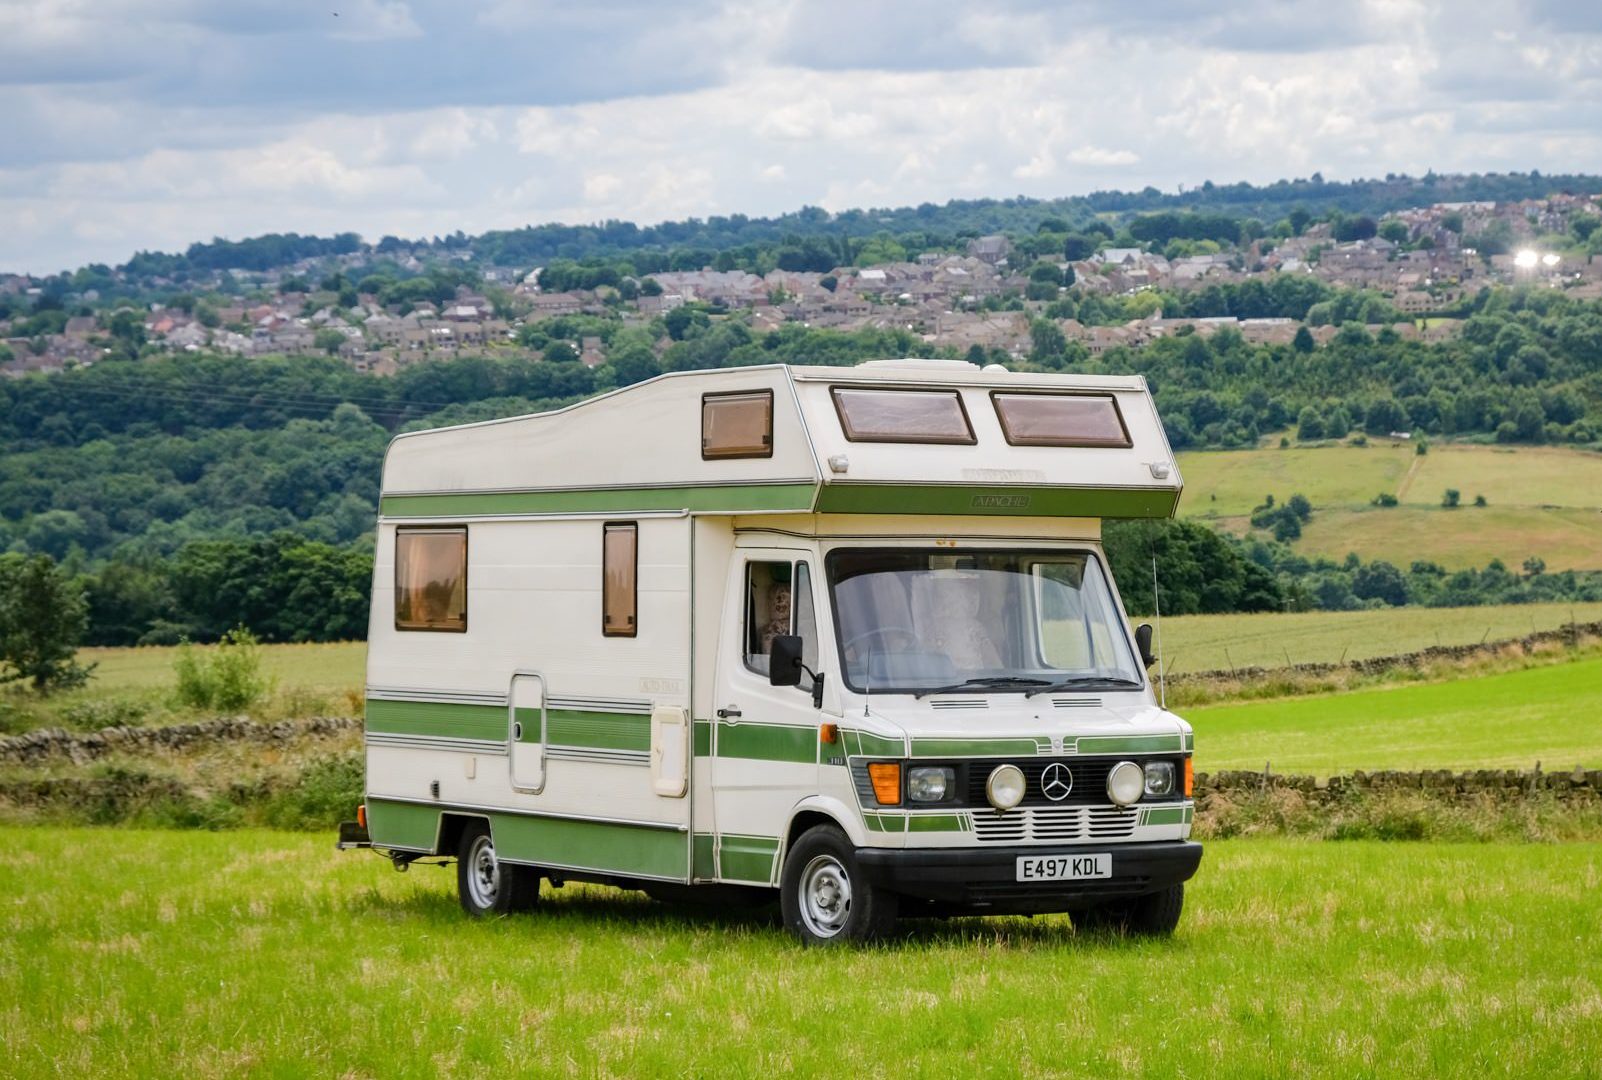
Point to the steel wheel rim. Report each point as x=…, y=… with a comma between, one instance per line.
x=825, y=896
x=483, y=872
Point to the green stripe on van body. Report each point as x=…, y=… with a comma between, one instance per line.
x=438, y=718
x=610, y=847
x=712, y=498
x=937, y=823
x=1163, y=815
x=768, y=742
x=867, y=744
x=1002, y=500
x=747, y=858
x=402, y=825
x=1127, y=744
x=595, y=730
x=974, y=747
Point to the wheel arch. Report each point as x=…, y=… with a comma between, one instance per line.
x=452, y=823
x=821, y=810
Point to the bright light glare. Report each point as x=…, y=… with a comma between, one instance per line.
x=1525, y=259
x=1551, y=259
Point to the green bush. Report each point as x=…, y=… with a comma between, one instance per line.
x=226, y=677
x=325, y=793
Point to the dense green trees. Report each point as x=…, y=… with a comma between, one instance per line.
x=43, y=616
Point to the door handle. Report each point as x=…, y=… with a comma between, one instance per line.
x=731, y=713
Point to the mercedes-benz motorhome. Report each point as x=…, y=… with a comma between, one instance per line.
x=844, y=633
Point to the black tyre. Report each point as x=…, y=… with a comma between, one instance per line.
x=487, y=886
x=1153, y=915
x=824, y=895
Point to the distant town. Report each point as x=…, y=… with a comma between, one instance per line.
x=989, y=295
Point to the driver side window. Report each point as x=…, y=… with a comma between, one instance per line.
x=778, y=601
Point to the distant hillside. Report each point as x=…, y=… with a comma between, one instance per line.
x=1540, y=502
x=537, y=244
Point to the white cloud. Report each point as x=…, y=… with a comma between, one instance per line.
x=539, y=110
x=1100, y=156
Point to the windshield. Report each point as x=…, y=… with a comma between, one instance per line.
x=914, y=620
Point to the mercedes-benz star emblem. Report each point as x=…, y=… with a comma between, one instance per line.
x=1056, y=782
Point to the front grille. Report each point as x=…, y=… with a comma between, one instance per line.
x=1089, y=786
x=1055, y=823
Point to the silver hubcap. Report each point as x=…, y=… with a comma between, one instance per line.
x=825, y=896
x=483, y=872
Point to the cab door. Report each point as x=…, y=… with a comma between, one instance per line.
x=765, y=738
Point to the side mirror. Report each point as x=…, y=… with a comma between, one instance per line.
x=1143, y=641
x=784, y=661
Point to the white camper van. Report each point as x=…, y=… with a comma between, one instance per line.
x=843, y=633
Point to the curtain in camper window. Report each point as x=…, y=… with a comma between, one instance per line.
x=431, y=579
x=619, y=584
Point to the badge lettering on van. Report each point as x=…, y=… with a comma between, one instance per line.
x=1000, y=502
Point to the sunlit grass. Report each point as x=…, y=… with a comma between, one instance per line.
x=181, y=954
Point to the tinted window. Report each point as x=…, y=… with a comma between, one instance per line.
x=910, y=416
x=431, y=579
x=619, y=587
x=1061, y=420
x=737, y=425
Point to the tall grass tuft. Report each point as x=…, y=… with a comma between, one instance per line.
x=227, y=676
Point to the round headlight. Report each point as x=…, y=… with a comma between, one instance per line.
x=1005, y=788
x=1125, y=783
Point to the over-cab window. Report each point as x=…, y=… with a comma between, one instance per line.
x=778, y=601
x=1061, y=420
x=737, y=425
x=903, y=416
x=619, y=574
x=431, y=579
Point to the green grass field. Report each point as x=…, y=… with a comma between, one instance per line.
x=1221, y=642
x=1514, y=719
x=1543, y=501
x=265, y=954
x=313, y=667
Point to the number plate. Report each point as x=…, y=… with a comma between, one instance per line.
x=1064, y=867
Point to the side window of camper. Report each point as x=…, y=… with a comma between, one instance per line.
x=431, y=579
x=619, y=579
x=778, y=601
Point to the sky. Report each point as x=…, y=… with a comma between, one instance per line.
x=132, y=125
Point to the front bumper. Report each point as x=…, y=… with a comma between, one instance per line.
x=983, y=879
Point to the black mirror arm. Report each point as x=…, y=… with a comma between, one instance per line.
x=817, y=683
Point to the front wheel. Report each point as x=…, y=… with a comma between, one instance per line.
x=1153, y=915
x=826, y=898
x=487, y=886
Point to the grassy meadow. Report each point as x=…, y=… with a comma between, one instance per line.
x=1505, y=720
x=269, y=954
x=1221, y=642
x=1542, y=501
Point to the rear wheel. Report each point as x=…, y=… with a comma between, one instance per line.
x=1153, y=915
x=487, y=886
x=826, y=898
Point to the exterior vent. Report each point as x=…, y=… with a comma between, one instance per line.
x=1057, y=824
x=963, y=703
x=1076, y=702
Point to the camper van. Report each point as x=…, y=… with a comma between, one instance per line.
x=843, y=635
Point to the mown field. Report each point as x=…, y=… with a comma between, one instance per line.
x=161, y=954
x=1542, y=501
x=1506, y=720
x=1221, y=642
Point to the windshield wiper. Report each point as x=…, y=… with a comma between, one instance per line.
x=1083, y=682
x=984, y=682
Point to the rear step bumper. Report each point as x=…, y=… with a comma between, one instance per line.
x=352, y=835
